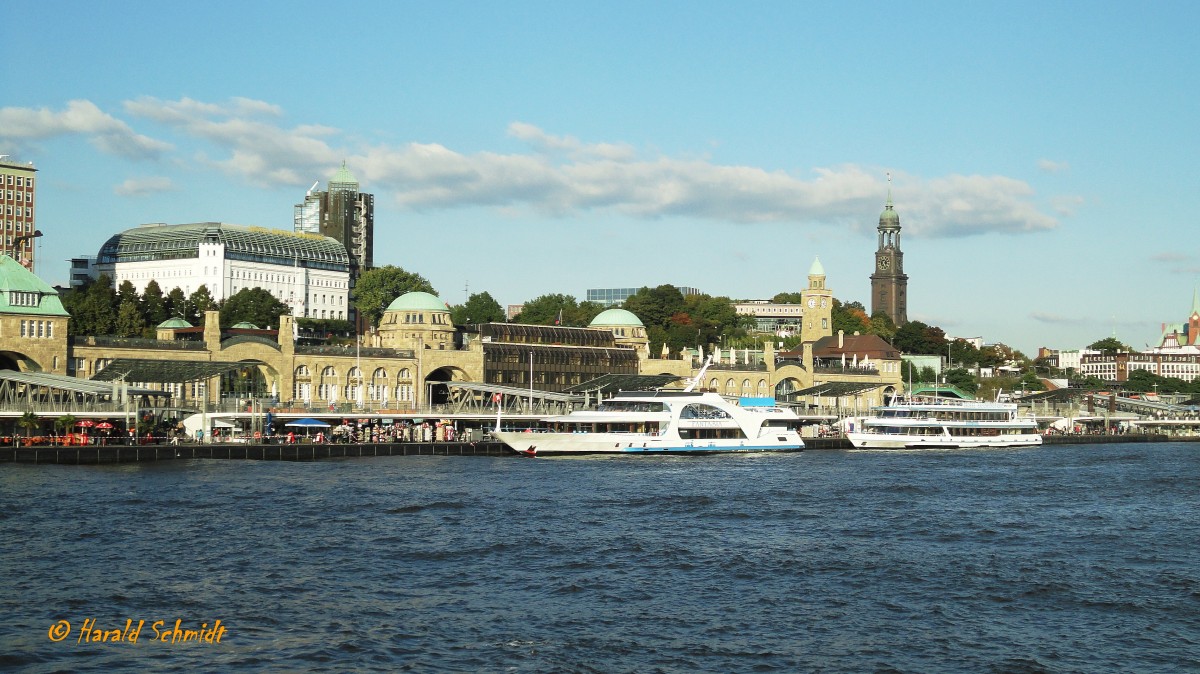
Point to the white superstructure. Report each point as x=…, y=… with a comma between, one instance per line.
x=663, y=422
x=929, y=423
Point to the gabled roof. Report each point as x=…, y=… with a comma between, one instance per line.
x=871, y=346
x=16, y=284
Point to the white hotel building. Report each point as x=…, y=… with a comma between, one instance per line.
x=308, y=272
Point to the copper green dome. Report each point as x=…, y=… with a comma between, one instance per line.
x=244, y=325
x=417, y=301
x=616, y=317
x=889, y=217
x=175, y=323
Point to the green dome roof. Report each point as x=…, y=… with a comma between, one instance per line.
x=417, y=301
x=16, y=278
x=889, y=216
x=176, y=322
x=244, y=325
x=614, y=317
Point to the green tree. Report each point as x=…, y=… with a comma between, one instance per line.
x=962, y=379
x=963, y=353
x=479, y=308
x=916, y=337
x=787, y=298
x=253, y=305
x=129, y=319
x=154, y=304
x=881, y=326
x=92, y=308
x=65, y=423
x=1109, y=346
x=545, y=310
x=849, y=317
x=378, y=287
x=30, y=422
x=127, y=293
x=655, y=306
x=197, y=303
x=176, y=303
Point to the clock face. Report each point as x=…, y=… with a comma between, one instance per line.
x=812, y=303
x=884, y=263
x=823, y=303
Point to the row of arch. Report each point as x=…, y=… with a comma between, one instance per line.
x=331, y=387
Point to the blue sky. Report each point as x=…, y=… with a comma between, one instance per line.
x=1043, y=154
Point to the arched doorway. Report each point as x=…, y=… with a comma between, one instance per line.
x=435, y=384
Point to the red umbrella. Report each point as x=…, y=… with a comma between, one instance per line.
x=104, y=426
x=86, y=423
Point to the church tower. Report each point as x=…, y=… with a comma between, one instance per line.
x=818, y=305
x=889, y=283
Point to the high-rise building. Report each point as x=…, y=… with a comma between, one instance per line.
x=343, y=213
x=17, y=208
x=889, y=283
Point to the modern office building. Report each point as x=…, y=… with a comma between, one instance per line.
x=342, y=213
x=308, y=272
x=611, y=296
x=18, y=207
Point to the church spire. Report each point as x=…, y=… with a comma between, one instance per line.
x=1195, y=301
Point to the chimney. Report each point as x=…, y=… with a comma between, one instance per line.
x=841, y=339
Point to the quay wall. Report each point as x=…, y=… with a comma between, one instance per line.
x=105, y=454
x=253, y=452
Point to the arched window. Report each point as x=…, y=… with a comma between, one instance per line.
x=379, y=386
x=730, y=387
x=745, y=387
x=328, y=388
x=354, y=382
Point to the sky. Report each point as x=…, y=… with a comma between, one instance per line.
x=1042, y=155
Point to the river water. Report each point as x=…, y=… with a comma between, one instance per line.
x=1058, y=559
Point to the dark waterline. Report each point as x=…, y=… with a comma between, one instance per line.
x=1063, y=559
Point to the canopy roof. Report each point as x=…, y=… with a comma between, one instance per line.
x=835, y=389
x=75, y=384
x=611, y=383
x=164, y=371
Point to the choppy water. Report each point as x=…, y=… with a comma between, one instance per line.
x=1060, y=559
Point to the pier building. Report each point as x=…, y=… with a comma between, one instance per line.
x=414, y=361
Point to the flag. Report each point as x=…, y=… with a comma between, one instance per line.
x=558, y=319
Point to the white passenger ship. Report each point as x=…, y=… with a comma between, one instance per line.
x=929, y=423
x=662, y=422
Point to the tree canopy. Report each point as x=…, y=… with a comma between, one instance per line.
x=378, y=287
x=1109, y=346
x=479, y=308
x=253, y=305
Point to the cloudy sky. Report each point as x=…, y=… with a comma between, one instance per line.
x=1042, y=154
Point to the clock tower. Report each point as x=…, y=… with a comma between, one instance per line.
x=818, y=305
x=889, y=283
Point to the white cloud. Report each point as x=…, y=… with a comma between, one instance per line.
x=1058, y=319
x=1051, y=166
x=555, y=174
x=106, y=132
x=138, y=187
